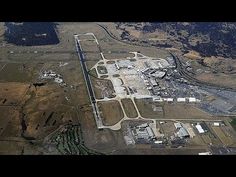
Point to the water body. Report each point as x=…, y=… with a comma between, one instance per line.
x=31, y=33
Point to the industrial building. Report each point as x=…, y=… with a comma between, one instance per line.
x=143, y=132
x=181, y=131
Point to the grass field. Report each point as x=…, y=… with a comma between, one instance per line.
x=147, y=108
x=233, y=123
x=17, y=72
x=184, y=111
x=129, y=108
x=111, y=112
x=9, y=122
x=223, y=138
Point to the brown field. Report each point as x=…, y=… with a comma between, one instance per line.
x=129, y=107
x=196, y=141
x=222, y=79
x=221, y=135
x=106, y=141
x=88, y=46
x=9, y=122
x=146, y=107
x=117, y=55
x=45, y=110
x=90, y=63
x=18, y=72
x=184, y=111
x=92, y=56
x=11, y=147
x=206, y=139
x=12, y=93
x=111, y=112
x=192, y=55
x=168, y=128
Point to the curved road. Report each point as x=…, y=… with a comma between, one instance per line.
x=195, y=81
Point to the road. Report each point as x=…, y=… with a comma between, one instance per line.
x=89, y=85
x=122, y=41
x=195, y=81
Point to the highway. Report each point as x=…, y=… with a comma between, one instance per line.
x=89, y=85
x=195, y=81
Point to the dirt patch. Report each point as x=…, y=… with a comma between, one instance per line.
x=218, y=79
x=12, y=93
x=192, y=55
x=111, y=112
x=9, y=122
x=103, y=88
x=129, y=108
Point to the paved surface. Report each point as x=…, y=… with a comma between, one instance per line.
x=89, y=85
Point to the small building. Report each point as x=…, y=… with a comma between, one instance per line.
x=181, y=99
x=204, y=153
x=199, y=128
x=169, y=99
x=216, y=124
x=153, y=82
x=158, y=142
x=192, y=100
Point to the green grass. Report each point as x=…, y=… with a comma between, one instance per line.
x=93, y=73
x=233, y=123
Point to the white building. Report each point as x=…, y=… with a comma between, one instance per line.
x=181, y=99
x=192, y=100
x=204, y=153
x=199, y=128
x=216, y=124
x=169, y=99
